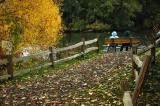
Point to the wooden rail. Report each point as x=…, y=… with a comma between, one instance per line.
x=80, y=44
x=91, y=41
x=69, y=47
x=140, y=80
x=149, y=47
x=127, y=100
x=52, y=54
x=137, y=61
x=139, y=69
x=31, y=56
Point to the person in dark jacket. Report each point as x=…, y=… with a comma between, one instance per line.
x=126, y=45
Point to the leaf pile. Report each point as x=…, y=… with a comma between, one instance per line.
x=93, y=82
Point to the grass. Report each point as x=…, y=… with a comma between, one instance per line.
x=78, y=60
x=48, y=70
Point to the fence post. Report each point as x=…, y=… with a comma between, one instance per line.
x=134, y=66
x=127, y=100
x=153, y=53
x=10, y=65
x=83, y=47
x=98, y=44
x=52, y=56
x=134, y=51
x=141, y=80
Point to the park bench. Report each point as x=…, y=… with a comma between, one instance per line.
x=120, y=41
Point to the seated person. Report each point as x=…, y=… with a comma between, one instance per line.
x=125, y=35
x=113, y=35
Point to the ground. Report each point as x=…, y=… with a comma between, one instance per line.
x=93, y=82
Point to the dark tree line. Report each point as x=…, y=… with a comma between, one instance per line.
x=110, y=14
x=149, y=15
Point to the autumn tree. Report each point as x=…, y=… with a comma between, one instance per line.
x=35, y=22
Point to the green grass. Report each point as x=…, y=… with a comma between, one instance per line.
x=78, y=60
x=33, y=74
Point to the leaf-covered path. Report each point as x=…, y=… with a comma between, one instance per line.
x=94, y=82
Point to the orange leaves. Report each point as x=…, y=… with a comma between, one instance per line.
x=40, y=21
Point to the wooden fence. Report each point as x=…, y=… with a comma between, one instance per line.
x=8, y=61
x=139, y=69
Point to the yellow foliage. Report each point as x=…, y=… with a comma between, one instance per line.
x=40, y=21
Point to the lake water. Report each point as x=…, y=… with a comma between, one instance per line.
x=73, y=38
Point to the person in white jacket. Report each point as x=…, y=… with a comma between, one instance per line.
x=113, y=35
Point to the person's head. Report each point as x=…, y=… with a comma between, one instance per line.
x=114, y=33
x=127, y=33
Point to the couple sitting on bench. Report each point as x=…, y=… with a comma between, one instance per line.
x=113, y=45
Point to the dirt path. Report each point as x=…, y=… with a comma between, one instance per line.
x=92, y=83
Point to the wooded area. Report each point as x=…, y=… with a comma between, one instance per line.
x=137, y=15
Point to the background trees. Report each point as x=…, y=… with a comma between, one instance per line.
x=111, y=14
x=99, y=14
x=149, y=16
